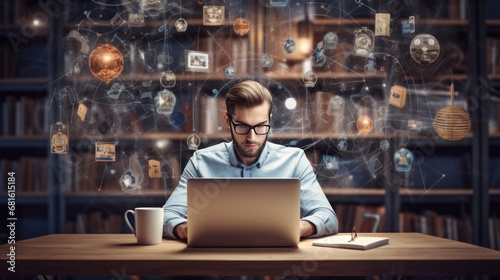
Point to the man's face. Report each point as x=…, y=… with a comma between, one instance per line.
x=249, y=146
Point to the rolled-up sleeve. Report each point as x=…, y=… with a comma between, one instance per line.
x=315, y=207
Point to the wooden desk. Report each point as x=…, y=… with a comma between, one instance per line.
x=108, y=254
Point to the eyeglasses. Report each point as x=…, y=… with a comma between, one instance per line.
x=242, y=129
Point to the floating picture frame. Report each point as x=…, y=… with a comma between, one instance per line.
x=214, y=15
x=198, y=61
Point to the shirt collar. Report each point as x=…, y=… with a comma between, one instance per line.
x=234, y=161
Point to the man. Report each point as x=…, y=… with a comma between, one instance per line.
x=249, y=154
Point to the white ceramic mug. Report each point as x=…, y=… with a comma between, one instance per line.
x=148, y=224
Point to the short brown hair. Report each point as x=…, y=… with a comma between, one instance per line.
x=247, y=94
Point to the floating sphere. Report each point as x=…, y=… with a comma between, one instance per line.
x=241, y=26
x=364, y=125
x=452, y=123
x=106, y=62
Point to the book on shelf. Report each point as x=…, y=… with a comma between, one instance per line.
x=432, y=223
x=24, y=116
x=346, y=242
x=95, y=221
x=32, y=173
x=365, y=218
x=492, y=56
x=494, y=232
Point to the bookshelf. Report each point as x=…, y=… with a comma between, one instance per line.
x=83, y=190
x=24, y=92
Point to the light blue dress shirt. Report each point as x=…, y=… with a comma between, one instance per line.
x=275, y=161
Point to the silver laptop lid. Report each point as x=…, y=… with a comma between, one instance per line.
x=243, y=212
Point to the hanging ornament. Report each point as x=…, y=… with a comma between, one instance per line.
x=370, y=65
x=403, y=160
x=267, y=60
x=154, y=168
x=364, y=124
x=310, y=79
x=105, y=151
x=452, y=122
x=336, y=106
x=230, y=72
x=415, y=126
x=181, y=25
x=330, y=162
x=106, y=62
x=193, y=142
x=241, y=26
x=128, y=181
x=364, y=42
x=424, y=49
x=408, y=27
x=397, y=96
x=289, y=46
x=167, y=79
x=279, y=3
x=59, y=141
x=384, y=145
x=177, y=118
x=213, y=15
x=342, y=143
x=318, y=57
x=152, y=8
x=382, y=24
x=165, y=102
x=330, y=40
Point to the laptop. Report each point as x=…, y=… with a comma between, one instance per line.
x=243, y=212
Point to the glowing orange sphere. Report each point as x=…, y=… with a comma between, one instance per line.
x=106, y=62
x=364, y=125
x=241, y=26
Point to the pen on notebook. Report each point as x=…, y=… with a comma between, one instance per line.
x=354, y=234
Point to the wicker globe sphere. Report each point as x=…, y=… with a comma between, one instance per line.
x=452, y=122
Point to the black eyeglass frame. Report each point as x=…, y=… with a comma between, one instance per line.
x=249, y=127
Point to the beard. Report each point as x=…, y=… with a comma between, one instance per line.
x=246, y=153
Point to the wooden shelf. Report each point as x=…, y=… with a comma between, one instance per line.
x=436, y=196
x=371, y=21
x=27, y=197
x=353, y=191
x=5, y=29
x=432, y=192
x=116, y=197
x=23, y=84
x=39, y=141
x=495, y=192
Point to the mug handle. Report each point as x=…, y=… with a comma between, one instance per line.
x=128, y=223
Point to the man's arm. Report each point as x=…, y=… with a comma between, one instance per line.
x=307, y=229
x=314, y=206
x=180, y=231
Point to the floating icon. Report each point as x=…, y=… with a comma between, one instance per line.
x=181, y=25
x=424, y=49
x=289, y=46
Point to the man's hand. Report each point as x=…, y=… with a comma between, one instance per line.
x=181, y=231
x=306, y=229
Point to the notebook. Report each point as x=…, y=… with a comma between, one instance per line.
x=344, y=241
x=243, y=212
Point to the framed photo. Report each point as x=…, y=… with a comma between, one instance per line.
x=105, y=152
x=198, y=61
x=382, y=24
x=213, y=15
x=397, y=96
